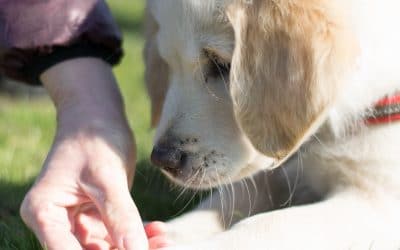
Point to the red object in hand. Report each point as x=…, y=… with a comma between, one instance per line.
x=157, y=235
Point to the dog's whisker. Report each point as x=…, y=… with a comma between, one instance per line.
x=202, y=177
x=324, y=146
x=248, y=196
x=233, y=201
x=186, y=205
x=222, y=206
x=211, y=195
x=221, y=193
x=228, y=203
x=253, y=182
x=194, y=195
x=242, y=188
x=269, y=191
x=187, y=184
x=288, y=202
x=299, y=166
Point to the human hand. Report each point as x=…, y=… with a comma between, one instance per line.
x=81, y=199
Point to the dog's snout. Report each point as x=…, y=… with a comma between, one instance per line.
x=169, y=158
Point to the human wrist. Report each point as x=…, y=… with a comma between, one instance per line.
x=84, y=91
x=90, y=111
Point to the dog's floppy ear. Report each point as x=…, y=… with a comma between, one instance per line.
x=156, y=75
x=290, y=59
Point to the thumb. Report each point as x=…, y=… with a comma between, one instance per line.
x=119, y=213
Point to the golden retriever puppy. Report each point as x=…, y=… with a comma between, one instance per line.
x=246, y=86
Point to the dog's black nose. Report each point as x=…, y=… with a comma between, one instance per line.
x=168, y=158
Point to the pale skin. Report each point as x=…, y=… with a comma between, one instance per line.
x=81, y=198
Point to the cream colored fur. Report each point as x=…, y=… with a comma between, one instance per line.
x=303, y=73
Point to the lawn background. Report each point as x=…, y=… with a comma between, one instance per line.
x=27, y=127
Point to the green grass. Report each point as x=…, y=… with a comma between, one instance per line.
x=27, y=127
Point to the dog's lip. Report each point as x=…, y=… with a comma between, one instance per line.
x=197, y=183
x=188, y=170
x=182, y=182
x=180, y=178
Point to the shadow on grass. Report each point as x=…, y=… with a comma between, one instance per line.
x=157, y=198
x=13, y=233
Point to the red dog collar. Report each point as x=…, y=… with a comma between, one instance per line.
x=385, y=110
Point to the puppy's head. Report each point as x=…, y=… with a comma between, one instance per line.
x=244, y=77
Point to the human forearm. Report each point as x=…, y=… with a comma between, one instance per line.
x=84, y=89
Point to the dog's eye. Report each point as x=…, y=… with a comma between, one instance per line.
x=217, y=67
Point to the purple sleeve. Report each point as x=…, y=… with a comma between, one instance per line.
x=36, y=34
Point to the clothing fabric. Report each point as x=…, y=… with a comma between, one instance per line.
x=37, y=34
